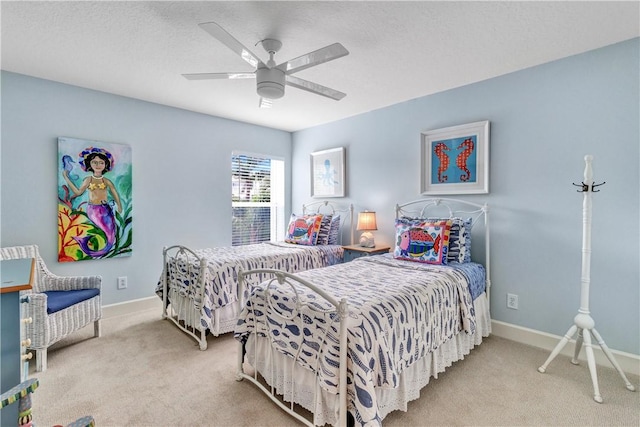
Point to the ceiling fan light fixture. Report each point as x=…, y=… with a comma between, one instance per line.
x=270, y=82
x=270, y=90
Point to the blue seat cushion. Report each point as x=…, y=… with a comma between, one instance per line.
x=59, y=300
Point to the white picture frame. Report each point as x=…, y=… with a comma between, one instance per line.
x=328, y=173
x=455, y=160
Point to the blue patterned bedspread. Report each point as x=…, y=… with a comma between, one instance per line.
x=224, y=263
x=398, y=312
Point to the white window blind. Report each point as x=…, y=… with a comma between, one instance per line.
x=257, y=198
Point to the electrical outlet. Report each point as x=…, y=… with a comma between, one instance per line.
x=122, y=282
x=512, y=301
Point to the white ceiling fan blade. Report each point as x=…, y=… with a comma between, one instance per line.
x=228, y=40
x=213, y=76
x=311, y=59
x=314, y=88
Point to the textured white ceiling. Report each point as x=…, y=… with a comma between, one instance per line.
x=398, y=50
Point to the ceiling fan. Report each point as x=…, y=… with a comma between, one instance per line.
x=272, y=78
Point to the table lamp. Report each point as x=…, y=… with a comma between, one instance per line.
x=367, y=223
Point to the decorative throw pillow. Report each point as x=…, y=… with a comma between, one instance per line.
x=422, y=240
x=467, y=243
x=459, y=239
x=334, y=231
x=325, y=227
x=460, y=244
x=303, y=229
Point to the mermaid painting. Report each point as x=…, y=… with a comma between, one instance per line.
x=97, y=234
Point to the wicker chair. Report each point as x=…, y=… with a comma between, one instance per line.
x=72, y=312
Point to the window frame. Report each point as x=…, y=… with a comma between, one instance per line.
x=275, y=203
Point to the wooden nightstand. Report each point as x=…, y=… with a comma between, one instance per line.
x=352, y=252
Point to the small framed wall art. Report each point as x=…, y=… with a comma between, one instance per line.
x=328, y=173
x=455, y=160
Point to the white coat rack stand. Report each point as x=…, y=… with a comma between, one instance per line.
x=583, y=323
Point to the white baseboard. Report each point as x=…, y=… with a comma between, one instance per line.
x=629, y=363
x=134, y=306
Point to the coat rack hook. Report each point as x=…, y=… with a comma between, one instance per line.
x=593, y=186
x=585, y=187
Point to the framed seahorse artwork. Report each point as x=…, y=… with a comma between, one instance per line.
x=455, y=160
x=328, y=173
x=94, y=200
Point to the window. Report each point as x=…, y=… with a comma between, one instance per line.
x=257, y=199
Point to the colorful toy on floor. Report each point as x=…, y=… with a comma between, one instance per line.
x=22, y=394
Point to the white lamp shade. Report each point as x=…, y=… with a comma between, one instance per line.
x=367, y=221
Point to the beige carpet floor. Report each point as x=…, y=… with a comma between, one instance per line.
x=144, y=372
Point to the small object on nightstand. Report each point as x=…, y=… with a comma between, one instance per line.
x=367, y=223
x=355, y=251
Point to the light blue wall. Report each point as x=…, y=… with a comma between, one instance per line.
x=544, y=120
x=181, y=173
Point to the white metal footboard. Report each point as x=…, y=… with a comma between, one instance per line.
x=183, y=284
x=284, y=279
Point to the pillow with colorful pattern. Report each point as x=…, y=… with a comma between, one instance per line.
x=303, y=229
x=422, y=240
x=459, y=239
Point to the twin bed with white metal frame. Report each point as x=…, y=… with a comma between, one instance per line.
x=360, y=339
x=199, y=287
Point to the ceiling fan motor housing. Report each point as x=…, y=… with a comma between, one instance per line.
x=271, y=82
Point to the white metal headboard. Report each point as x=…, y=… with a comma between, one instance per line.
x=325, y=205
x=454, y=208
